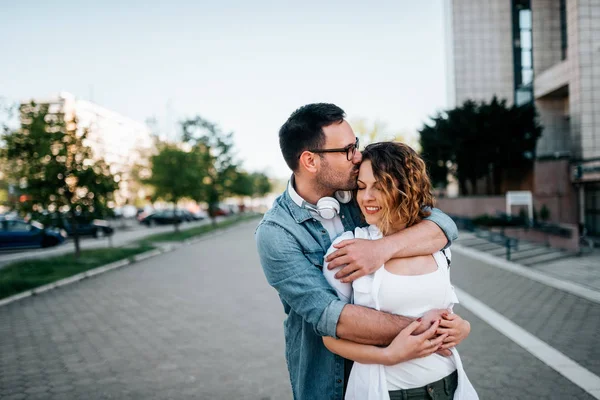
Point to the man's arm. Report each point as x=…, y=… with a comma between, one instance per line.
x=302, y=285
x=299, y=282
x=406, y=346
x=363, y=257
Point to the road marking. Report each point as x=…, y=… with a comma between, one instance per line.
x=566, y=286
x=556, y=360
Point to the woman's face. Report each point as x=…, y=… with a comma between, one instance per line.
x=369, y=195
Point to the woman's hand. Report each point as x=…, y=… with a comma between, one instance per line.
x=455, y=328
x=407, y=346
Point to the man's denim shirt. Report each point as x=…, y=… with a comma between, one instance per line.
x=291, y=245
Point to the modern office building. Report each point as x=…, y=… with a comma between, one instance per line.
x=546, y=52
x=120, y=141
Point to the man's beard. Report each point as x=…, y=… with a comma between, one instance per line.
x=333, y=182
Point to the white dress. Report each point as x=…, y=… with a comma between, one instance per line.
x=369, y=381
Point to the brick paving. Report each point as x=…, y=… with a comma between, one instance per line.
x=202, y=323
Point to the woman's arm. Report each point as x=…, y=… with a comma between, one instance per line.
x=403, y=348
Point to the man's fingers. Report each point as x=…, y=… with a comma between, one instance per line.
x=430, y=332
x=450, y=317
x=446, y=323
x=441, y=331
x=347, y=270
x=448, y=345
x=353, y=276
x=333, y=256
x=438, y=340
x=343, y=243
x=341, y=261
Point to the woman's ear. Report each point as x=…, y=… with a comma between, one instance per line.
x=309, y=162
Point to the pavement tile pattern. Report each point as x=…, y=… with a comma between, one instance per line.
x=202, y=323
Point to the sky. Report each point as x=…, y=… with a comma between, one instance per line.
x=245, y=65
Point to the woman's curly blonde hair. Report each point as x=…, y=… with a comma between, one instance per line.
x=404, y=181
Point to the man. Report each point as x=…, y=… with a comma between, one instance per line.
x=321, y=149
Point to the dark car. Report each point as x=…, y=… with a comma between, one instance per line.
x=97, y=228
x=163, y=217
x=86, y=226
x=16, y=233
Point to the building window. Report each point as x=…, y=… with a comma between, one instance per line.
x=564, y=44
x=522, y=51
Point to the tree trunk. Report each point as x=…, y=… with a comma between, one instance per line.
x=75, y=226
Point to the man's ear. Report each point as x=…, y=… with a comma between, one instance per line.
x=309, y=161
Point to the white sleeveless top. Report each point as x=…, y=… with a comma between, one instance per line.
x=410, y=296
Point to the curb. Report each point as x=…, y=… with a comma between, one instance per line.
x=115, y=265
x=569, y=287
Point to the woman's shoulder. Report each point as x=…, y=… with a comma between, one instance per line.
x=370, y=232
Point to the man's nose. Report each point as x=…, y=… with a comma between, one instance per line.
x=357, y=157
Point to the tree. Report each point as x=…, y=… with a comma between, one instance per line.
x=481, y=140
x=175, y=173
x=262, y=184
x=215, y=148
x=55, y=169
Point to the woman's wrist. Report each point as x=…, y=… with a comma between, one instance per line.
x=388, y=358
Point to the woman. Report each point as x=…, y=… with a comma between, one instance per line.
x=393, y=189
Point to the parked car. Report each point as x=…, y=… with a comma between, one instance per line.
x=163, y=217
x=16, y=233
x=200, y=215
x=97, y=228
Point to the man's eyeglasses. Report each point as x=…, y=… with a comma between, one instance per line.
x=350, y=150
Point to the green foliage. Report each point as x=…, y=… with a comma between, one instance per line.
x=479, y=140
x=55, y=168
x=544, y=213
x=176, y=173
x=262, y=184
x=215, y=150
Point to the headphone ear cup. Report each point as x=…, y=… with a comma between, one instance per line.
x=328, y=207
x=343, y=196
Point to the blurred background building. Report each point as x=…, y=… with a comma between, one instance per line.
x=122, y=142
x=548, y=52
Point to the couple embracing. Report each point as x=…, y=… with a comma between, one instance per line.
x=360, y=259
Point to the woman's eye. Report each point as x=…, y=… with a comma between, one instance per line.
x=360, y=188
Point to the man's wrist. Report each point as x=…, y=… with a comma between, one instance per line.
x=387, y=249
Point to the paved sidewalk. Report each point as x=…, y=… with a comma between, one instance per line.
x=583, y=270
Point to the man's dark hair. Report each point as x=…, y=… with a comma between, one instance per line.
x=304, y=130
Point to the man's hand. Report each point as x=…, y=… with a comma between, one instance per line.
x=429, y=318
x=362, y=257
x=456, y=329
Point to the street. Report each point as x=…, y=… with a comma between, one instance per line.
x=202, y=323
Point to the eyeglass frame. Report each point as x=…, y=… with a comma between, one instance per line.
x=349, y=156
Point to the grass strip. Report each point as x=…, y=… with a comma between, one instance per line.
x=199, y=231
x=29, y=274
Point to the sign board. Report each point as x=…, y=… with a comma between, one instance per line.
x=520, y=198
x=588, y=171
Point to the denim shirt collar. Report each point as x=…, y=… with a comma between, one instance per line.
x=298, y=213
x=294, y=203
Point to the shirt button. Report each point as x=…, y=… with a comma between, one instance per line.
x=339, y=381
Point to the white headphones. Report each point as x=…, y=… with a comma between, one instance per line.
x=328, y=207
